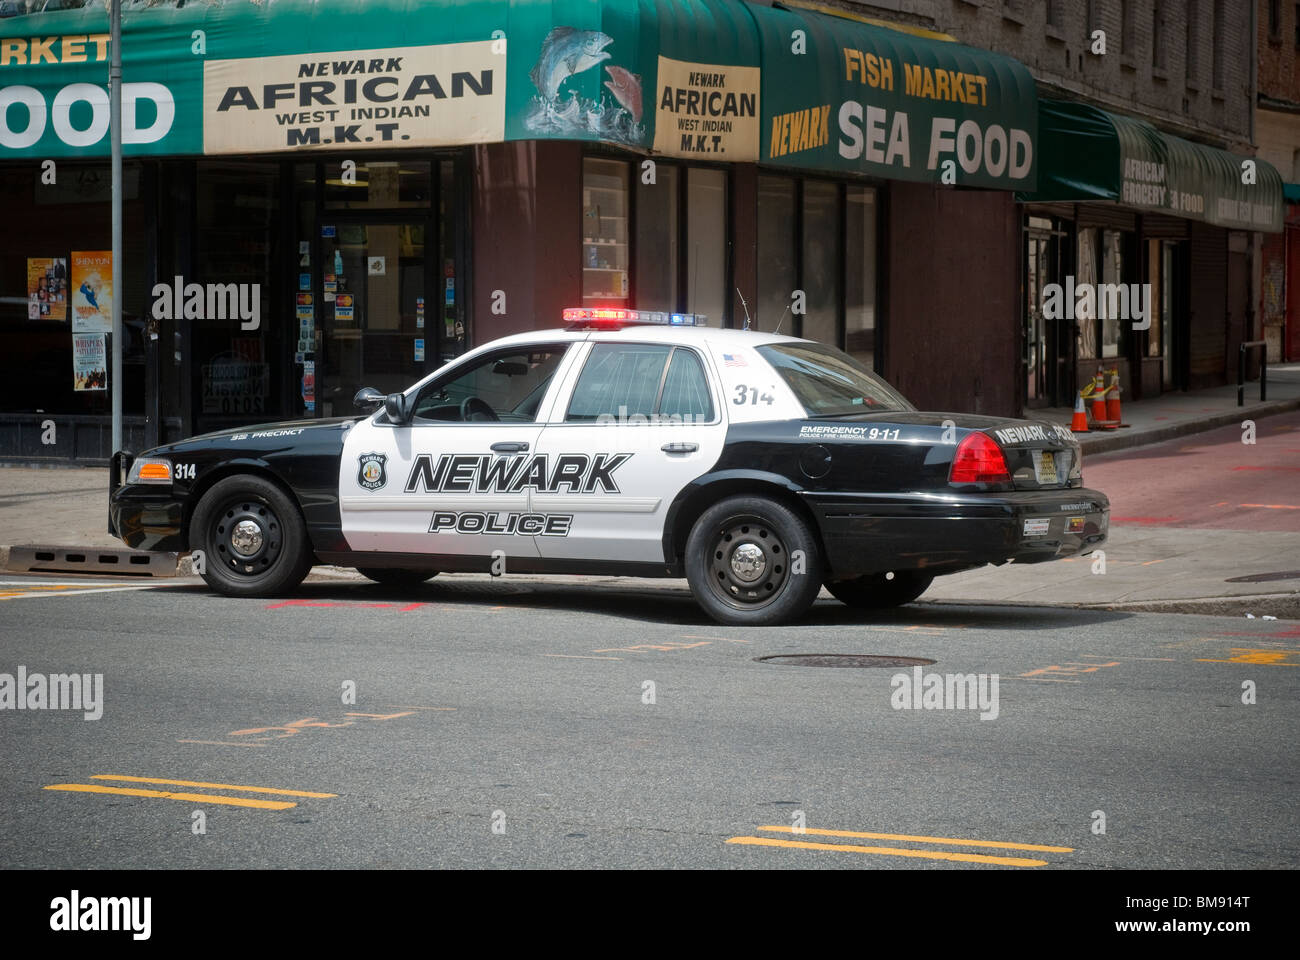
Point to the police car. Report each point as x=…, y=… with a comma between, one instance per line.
x=757, y=466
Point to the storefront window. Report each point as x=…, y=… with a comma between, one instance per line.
x=455, y=332
x=235, y=242
x=706, y=237
x=1158, y=299
x=56, y=290
x=860, y=276
x=657, y=230
x=821, y=261
x=777, y=273
x=604, y=231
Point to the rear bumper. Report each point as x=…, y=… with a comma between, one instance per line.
x=873, y=533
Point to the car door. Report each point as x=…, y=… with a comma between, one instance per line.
x=456, y=480
x=640, y=421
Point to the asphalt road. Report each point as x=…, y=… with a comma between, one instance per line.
x=502, y=724
x=1210, y=480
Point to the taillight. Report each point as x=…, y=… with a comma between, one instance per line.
x=978, y=460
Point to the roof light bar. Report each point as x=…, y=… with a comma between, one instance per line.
x=613, y=317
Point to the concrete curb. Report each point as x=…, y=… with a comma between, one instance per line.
x=1122, y=439
x=1283, y=606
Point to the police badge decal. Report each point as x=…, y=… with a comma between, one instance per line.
x=371, y=474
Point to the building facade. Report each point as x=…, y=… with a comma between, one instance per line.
x=1278, y=131
x=322, y=195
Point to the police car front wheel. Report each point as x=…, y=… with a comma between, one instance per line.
x=253, y=538
x=752, y=561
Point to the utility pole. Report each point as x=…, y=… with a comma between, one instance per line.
x=115, y=125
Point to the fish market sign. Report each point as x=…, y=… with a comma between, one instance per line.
x=448, y=93
x=707, y=110
x=850, y=97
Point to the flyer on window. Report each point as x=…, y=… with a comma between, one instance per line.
x=89, y=362
x=47, y=288
x=91, y=286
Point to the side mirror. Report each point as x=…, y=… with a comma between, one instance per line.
x=368, y=400
x=396, y=408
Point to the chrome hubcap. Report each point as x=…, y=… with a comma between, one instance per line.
x=246, y=538
x=748, y=562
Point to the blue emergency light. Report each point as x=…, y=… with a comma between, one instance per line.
x=613, y=318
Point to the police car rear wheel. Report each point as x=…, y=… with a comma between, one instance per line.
x=253, y=538
x=875, y=591
x=396, y=576
x=753, y=561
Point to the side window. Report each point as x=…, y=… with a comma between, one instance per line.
x=619, y=380
x=634, y=379
x=686, y=390
x=507, y=387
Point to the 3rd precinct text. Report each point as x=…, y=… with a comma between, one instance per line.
x=1164, y=903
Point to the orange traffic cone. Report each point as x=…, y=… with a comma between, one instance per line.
x=1079, y=422
x=1112, y=397
x=1099, y=398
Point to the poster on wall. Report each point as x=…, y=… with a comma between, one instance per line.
x=47, y=288
x=89, y=363
x=91, y=290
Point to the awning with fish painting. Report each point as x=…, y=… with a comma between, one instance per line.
x=717, y=80
x=244, y=77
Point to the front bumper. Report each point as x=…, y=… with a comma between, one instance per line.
x=945, y=532
x=147, y=517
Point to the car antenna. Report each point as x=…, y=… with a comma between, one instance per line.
x=782, y=320
x=744, y=305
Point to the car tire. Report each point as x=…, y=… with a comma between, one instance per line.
x=253, y=538
x=874, y=592
x=397, y=576
x=738, y=566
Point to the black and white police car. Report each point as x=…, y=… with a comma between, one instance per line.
x=758, y=466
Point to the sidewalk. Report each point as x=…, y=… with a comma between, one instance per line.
x=1158, y=569
x=1177, y=414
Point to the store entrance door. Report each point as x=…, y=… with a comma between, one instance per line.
x=373, y=281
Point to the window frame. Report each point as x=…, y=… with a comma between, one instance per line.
x=459, y=369
x=649, y=420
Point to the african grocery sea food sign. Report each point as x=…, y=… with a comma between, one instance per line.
x=244, y=77
x=845, y=96
x=713, y=80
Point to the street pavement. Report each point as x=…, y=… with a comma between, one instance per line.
x=558, y=725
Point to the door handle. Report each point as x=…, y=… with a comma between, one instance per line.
x=509, y=446
x=680, y=447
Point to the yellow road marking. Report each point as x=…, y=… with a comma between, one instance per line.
x=189, y=797
x=1257, y=657
x=570, y=656
x=889, y=851
x=223, y=743
x=999, y=844
x=214, y=786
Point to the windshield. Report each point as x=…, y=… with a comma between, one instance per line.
x=830, y=383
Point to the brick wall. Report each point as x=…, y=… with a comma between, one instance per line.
x=1125, y=79
x=1279, y=60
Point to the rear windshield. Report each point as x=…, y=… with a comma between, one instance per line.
x=830, y=383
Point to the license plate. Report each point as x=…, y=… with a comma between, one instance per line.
x=1045, y=467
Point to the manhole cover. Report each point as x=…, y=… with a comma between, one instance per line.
x=842, y=660
x=1265, y=577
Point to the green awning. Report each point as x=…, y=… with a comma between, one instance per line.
x=1086, y=153
x=845, y=95
x=674, y=77
x=1291, y=192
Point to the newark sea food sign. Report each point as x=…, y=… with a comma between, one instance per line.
x=843, y=96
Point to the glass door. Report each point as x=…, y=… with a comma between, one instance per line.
x=373, y=278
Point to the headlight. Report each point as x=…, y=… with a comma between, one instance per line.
x=150, y=470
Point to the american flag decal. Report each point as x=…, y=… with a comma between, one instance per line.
x=733, y=360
